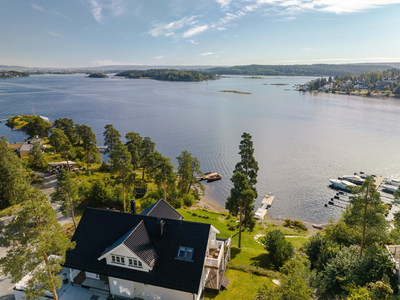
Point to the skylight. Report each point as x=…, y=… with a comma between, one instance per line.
x=185, y=253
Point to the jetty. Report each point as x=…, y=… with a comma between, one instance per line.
x=266, y=203
x=102, y=148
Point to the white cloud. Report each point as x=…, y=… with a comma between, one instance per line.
x=195, y=30
x=193, y=42
x=37, y=7
x=224, y=3
x=55, y=34
x=159, y=57
x=115, y=7
x=165, y=29
x=208, y=53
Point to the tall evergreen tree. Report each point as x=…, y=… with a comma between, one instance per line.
x=36, y=159
x=134, y=143
x=121, y=165
x=241, y=201
x=111, y=137
x=244, y=179
x=88, y=139
x=69, y=128
x=61, y=144
x=366, y=209
x=32, y=238
x=163, y=172
x=13, y=176
x=188, y=166
x=66, y=193
x=248, y=165
x=146, y=149
x=37, y=127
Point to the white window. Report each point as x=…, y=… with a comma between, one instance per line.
x=133, y=262
x=185, y=253
x=116, y=259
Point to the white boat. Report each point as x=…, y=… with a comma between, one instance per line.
x=354, y=179
x=393, y=181
x=390, y=188
x=341, y=184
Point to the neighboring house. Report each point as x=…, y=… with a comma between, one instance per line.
x=389, y=80
x=153, y=255
x=23, y=148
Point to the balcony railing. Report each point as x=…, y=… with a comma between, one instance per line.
x=214, y=257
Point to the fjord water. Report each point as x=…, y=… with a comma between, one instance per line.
x=300, y=139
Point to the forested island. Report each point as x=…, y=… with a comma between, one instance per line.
x=13, y=74
x=298, y=70
x=167, y=75
x=97, y=75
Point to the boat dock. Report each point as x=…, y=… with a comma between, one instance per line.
x=265, y=205
x=102, y=148
x=342, y=198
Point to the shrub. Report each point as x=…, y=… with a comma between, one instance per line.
x=280, y=250
x=287, y=223
x=188, y=200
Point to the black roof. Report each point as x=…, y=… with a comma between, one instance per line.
x=99, y=229
x=162, y=209
x=138, y=240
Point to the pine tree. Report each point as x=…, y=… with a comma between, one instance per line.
x=121, y=165
x=37, y=245
x=66, y=193
x=163, y=172
x=146, y=149
x=13, y=176
x=134, y=143
x=244, y=180
x=36, y=158
x=188, y=166
x=88, y=142
x=111, y=137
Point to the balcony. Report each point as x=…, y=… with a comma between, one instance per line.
x=216, y=254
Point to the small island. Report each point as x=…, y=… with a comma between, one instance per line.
x=97, y=75
x=254, y=77
x=166, y=75
x=236, y=92
x=279, y=84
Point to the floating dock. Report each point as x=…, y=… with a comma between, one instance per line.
x=265, y=204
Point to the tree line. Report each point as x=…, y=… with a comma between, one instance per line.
x=299, y=70
x=167, y=74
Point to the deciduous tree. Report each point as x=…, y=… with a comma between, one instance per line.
x=61, y=144
x=69, y=128
x=279, y=249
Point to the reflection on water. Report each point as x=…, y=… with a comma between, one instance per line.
x=300, y=139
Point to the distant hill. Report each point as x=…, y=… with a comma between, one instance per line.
x=300, y=70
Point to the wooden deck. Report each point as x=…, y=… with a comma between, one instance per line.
x=211, y=282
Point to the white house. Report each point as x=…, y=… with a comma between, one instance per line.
x=153, y=255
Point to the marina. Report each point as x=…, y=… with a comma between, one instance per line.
x=342, y=197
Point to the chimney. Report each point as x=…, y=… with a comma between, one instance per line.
x=133, y=206
x=160, y=228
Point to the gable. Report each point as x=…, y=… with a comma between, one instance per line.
x=162, y=209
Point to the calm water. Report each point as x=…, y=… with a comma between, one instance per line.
x=300, y=139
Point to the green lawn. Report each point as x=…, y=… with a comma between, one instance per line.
x=242, y=286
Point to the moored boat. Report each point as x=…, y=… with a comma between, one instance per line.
x=353, y=179
x=341, y=184
x=390, y=188
x=213, y=177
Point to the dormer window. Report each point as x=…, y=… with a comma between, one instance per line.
x=116, y=259
x=133, y=262
x=185, y=253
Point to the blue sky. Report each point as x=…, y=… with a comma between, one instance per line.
x=83, y=33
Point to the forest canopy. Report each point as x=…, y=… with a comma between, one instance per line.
x=167, y=75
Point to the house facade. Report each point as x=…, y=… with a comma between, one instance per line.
x=153, y=255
